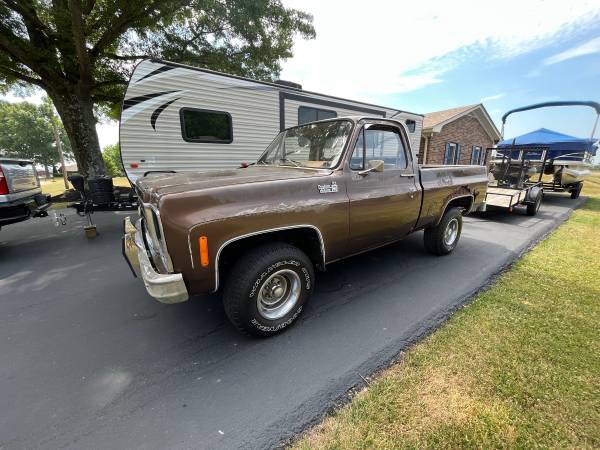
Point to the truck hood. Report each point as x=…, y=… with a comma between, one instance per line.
x=154, y=186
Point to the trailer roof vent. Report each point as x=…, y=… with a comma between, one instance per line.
x=289, y=84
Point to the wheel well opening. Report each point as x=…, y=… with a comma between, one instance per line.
x=461, y=202
x=306, y=239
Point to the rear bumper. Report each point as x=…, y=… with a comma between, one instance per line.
x=166, y=288
x=22, y=209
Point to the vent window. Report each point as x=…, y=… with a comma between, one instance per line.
x=201, y=125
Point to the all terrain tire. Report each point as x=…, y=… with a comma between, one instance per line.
x=443, y=238
x=267, y=289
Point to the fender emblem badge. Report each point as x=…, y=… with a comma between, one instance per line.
x=328, y=188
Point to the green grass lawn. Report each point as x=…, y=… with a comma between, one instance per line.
x=56, y=186
x=518, y=367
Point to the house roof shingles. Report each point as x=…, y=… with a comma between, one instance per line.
x=434, y=118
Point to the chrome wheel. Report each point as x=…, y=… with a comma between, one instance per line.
x=451, y=232
x=278, y=294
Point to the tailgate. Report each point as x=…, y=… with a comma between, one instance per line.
x=20, y=175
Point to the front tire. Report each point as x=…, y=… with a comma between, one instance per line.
x=443, y=238
x=267, y=289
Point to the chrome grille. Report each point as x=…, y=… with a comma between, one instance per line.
x=154, y=236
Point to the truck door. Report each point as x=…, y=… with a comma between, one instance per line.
x=384, y=206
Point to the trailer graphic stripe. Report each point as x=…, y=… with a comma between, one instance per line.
x=159, y=110
x=156, y=72
x=142, y=98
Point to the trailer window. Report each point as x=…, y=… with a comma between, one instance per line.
x=202, y=125
x=411, y=125
x=308, y=114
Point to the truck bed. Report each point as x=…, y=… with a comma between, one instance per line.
x=441, y=183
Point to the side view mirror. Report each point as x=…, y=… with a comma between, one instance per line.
x=375, y=165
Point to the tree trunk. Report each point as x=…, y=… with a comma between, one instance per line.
x=47, y=170
x=77, y=114
x=60, y=152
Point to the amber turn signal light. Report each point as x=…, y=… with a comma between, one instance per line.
x=203, y=251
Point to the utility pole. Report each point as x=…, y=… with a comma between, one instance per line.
x=60, y=152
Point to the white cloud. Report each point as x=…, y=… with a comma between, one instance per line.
x=363, y=50
x=587, y=48
x=491, y=98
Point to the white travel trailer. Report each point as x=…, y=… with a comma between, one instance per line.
x=182, y=118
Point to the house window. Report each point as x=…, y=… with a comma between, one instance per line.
x=452, y=153
x=202, y=125
x=308, y=114
x=477, y=155
x=378, y=142
x=411, y=125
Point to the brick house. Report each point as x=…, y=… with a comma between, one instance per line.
x=458, y=136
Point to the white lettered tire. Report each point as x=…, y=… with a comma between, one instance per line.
x=267, y=288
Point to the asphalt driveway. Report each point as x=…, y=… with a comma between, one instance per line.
x=88, y=360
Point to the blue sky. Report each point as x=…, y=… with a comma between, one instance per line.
x=503, y=84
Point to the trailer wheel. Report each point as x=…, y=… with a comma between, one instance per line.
x=267, y=288
x=576, y=191
x=533, y=208
x=443, y=238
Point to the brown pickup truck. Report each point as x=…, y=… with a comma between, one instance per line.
x=321, y=192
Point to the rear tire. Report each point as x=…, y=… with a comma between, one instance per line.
x=267, y=288
x=576, y=191
x=443, y=238
x=533, y=208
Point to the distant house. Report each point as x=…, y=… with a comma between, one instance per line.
x=458, y=136
x=71, y=168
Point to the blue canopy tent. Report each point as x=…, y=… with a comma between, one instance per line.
x=559, y=145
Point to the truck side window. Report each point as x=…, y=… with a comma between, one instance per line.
x=382, y=143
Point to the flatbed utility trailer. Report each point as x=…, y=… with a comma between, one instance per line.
x=514, y=182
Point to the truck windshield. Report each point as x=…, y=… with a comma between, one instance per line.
x=314, y=145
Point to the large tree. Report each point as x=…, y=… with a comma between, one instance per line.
x=81, y=52
x=26, y=131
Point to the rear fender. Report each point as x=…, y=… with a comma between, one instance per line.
x=464, y=201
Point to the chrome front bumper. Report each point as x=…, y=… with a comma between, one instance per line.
x=166, y=288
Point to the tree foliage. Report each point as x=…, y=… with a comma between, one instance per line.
x=83, y=51
x=27, y=132
x=112, y=160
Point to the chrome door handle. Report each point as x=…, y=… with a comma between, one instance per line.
x=407, y=175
